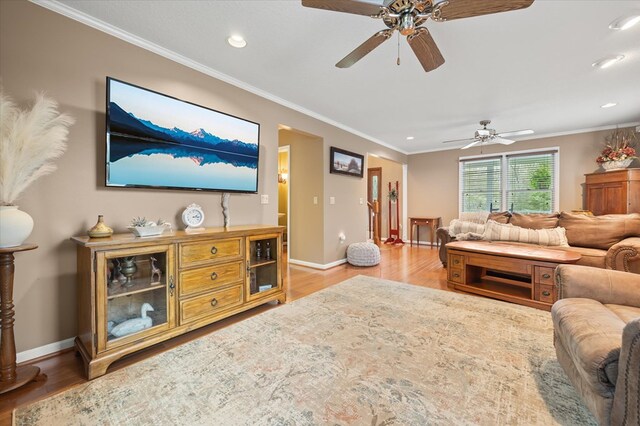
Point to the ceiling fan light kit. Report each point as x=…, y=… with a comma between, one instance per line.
x=407, y=16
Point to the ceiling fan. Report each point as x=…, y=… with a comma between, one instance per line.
x=406, y=16
x=485, y=135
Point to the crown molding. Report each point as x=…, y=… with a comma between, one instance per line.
x=541, y=136
x=112, y=30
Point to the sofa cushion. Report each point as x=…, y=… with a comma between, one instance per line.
x=590, y=257
x=592, y=335
x=624, y=312
x=535, y=220
x=600, y=232
x=500, y=217
x=495, y=231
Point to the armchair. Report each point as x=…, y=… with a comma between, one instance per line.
x=597, y=339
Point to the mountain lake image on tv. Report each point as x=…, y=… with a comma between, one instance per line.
x=154, y=140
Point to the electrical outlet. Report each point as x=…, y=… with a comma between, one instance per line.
x=264, y=199
x=361, y=201
x=332, y=200
x=315, y=200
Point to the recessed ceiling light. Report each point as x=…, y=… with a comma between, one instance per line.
x=608, y=105
x=237, y=41
x=608, y=61
x=625, y=22
x=410, y=138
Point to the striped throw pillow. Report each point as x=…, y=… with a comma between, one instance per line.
x=458, y=226
x=475, y=217
x=495, y=231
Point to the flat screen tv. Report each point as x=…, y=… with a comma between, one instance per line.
x=157, y=141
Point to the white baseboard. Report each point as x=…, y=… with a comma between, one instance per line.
x=44, y=350
x=317, y=265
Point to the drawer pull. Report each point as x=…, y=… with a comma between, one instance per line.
x=214, y=301
x=456, y=275
x=214, y=276
x=546, y=276
x=455, y=262
x=214, y=250
x=546, y=293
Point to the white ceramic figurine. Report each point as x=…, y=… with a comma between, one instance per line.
x=134, y=325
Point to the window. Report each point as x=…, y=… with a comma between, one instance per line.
x=524, y=182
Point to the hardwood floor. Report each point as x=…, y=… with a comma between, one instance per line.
x=414, y=265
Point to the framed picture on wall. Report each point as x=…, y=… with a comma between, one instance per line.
x=346, y=162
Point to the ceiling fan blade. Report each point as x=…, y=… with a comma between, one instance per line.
x=425, y=49
x=474, y=143
x=516, y=133
x=503, y=141
x=457, y=9
x=346, y=6
x=361, y=51
x=460, y=140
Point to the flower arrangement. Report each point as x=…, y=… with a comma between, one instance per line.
x=393, y=195
x=29, y=142
x=618, y=149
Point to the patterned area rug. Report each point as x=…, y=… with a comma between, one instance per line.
x=364, y=352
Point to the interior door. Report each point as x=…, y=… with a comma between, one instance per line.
x=374, y=193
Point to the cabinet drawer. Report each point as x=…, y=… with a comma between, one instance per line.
x=545, y=293
x=544, y=275
x=210, y=303
x=456, y=260
x=201, y=252
x=456, y=275
x=210, y=278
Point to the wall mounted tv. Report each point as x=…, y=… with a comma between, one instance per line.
x=157, y=141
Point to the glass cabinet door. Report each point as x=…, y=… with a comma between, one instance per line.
x=263, y=274
x=137, y=289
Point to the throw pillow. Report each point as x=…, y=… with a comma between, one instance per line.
x=535, y=220
x=475, y=217
x=495, y=231
x=599, y=232
x=462, y=227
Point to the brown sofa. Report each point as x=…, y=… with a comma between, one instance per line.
x=597, y=338
x=608, y=241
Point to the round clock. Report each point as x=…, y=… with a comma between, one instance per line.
x=193, y=216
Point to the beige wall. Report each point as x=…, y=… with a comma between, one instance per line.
x=433, y=177
x=41, y=50
x=307, y=219
x=391, y=172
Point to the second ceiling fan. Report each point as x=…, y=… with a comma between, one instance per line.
x=406, y=16
x=484, y=136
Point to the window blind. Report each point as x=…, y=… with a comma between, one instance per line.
x=530, y=182
x=480, y=181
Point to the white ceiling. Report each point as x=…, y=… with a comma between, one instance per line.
x=524, y=69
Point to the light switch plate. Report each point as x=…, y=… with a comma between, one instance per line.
x=264, y=199
x=315, y=200
x=332, y=200
x=361, y=201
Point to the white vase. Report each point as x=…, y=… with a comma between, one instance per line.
x=15, y=226
x=610, y=166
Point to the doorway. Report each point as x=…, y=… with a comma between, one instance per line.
x=284, y=195
x=374, y=189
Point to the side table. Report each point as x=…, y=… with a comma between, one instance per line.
x=432, y=222
x=11, y=376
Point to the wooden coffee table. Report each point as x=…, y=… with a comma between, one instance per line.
x=515, y=273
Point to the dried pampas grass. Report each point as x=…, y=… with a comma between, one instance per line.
x=29, y=142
